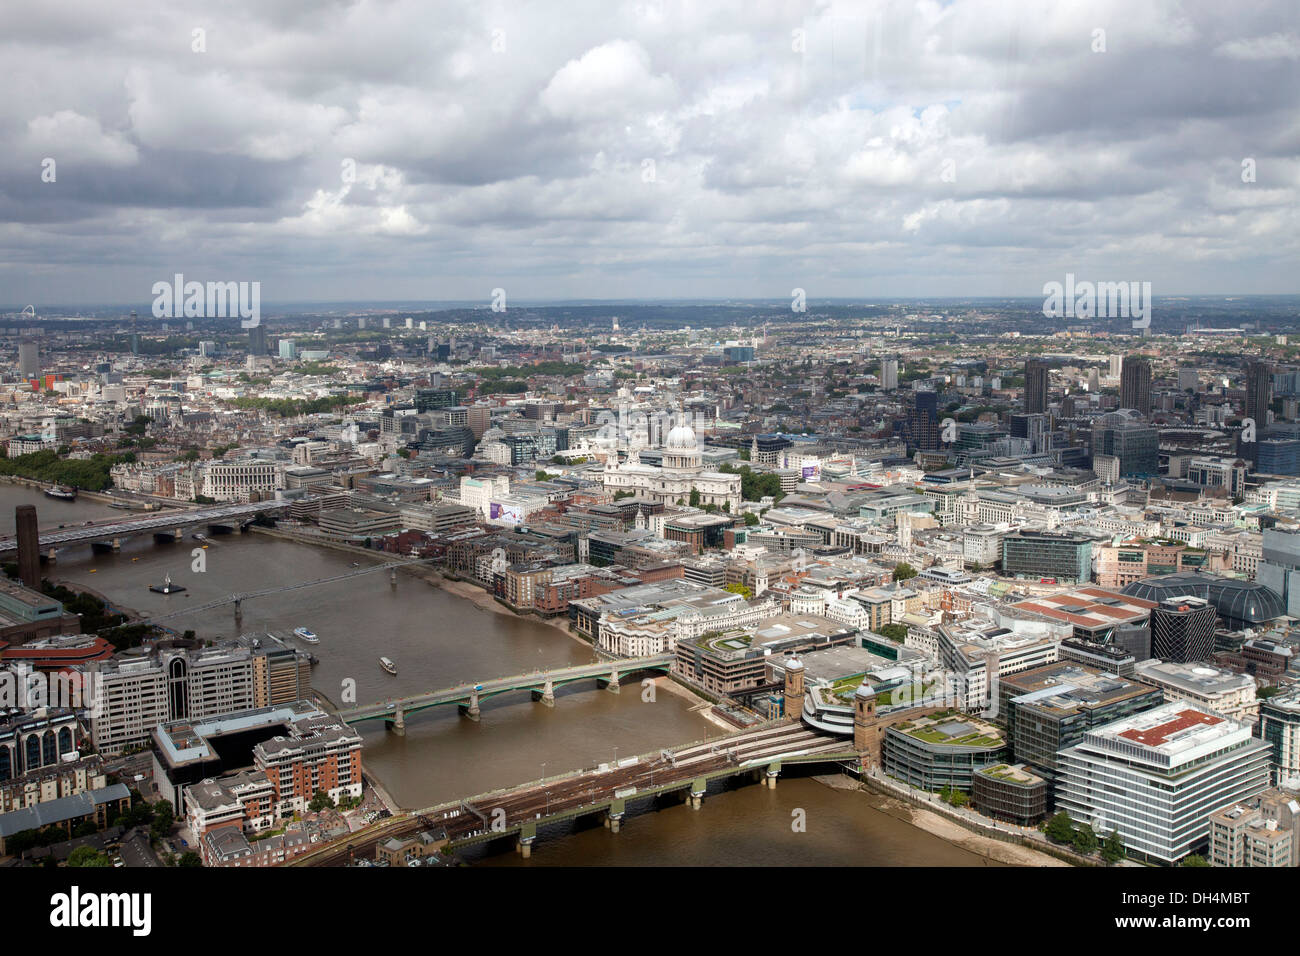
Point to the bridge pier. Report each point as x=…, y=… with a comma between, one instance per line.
x=470, y=710
x=117, y=544
x=547, y=694
x=239, y=611
x=52, y=557
x=398, y=725
x=611, y=684
x=613, y=821
x=769, y=778
x=698, y=789
x=392, y=579
x=524, y=846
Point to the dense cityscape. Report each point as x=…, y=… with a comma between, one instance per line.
x=1040, y=585
x=647, y=438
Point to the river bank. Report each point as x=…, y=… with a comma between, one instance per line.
x=485, y=601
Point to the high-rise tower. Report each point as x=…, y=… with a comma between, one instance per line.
x=1135, y=384
x=1035, y=387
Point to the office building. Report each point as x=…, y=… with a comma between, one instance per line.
x=257, y=340
x=1279, y=567
x=1064, y=556
x=1049, y=708
x=1135, y=384
x=931, y=753
x=29, y=358
x=1277, y=455
x=1133, y=444
x=1209, y=688
x=1011, y=792
x=136, y=695
x=1035, y=387
x=1156, y=776
x=1259, y=391
x=923, y=420
x=1279, y=727
x=428, y=399
x=1182, y=630
x=1099, y=616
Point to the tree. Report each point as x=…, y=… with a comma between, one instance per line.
x=695, y=497
x=321, y=801
x=1084, y=840
x=895, y=632
x=1060, y=829
x=904, y=571
x=189, y=858
x=86, y=856
x=751, y=519
x=163, y=816
x=1112, y=850
x=1193, y=859
x=742, y=590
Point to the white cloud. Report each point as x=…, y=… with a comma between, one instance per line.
x=69, y=135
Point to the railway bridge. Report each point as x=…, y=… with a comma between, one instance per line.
x=605, y=791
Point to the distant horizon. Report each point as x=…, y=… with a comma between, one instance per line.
x=485, y=302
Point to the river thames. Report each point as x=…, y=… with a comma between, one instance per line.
x=437, y=639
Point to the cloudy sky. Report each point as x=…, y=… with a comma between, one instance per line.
x=402, y=149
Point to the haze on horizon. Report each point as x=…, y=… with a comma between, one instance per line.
x=647, y=150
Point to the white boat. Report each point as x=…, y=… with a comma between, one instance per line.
x=308, y=636
x=388, y=665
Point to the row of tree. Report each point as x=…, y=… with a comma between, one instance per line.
x=91, y=473
x=1083, y=839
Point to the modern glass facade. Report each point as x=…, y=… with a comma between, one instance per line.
x=1066, y=557
x=946, y=755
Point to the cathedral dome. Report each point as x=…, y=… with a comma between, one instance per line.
x=682, y=438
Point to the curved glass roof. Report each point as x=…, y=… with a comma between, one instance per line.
x=1244, y=601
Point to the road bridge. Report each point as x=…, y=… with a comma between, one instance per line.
x=170, y=524
x=541, y=684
